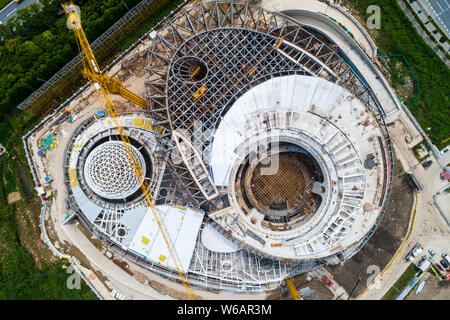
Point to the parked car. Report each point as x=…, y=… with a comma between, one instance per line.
x=439, y=267
x=446, y=257
x=445, y=150
x=426, y=164
x=431, y=252
x=444, y=264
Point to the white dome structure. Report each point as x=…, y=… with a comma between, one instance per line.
x=231, y=93
x=109, y=172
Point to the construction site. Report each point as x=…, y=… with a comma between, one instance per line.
x=232, y=149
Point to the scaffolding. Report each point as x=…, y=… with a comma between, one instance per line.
x=202, y=59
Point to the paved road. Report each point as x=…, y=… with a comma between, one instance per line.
x=423, y=34
x=11, y=9
x=440, y=11
x=429, y=227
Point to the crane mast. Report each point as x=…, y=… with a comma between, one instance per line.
x=102, y=85
x=292, y=289
x=91, y=69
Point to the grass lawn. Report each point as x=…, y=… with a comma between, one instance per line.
x=401, y=283
x=3, y=3
x=398, y=36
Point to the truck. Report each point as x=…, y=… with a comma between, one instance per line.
x=424, y=265
x=327, y=281
x=416, y=250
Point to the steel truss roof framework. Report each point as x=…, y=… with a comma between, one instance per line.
x=241, y=46
x=236, y=41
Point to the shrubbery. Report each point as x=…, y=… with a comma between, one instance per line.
x=398, y=36
x=37, y=43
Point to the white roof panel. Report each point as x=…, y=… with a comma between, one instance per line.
x=213, y=240
x=289, y=92
x=182, y=225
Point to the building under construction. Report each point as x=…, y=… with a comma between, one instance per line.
x=265, y=150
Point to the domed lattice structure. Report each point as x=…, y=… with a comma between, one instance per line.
x=109, y=172
x=233, y=89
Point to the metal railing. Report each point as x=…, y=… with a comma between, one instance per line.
x=359, y=26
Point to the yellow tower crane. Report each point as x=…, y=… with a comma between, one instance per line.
x=91, y=70
x=104, y=86
x=116, y=87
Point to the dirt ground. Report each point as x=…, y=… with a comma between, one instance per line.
x=96, y=242
x=434, y=289
x=301, y=282
x=158, y=286
x=319, y=287
x=14, y=197
x=385, y=241
x=30, y=234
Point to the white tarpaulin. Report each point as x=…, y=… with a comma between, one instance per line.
x=182, y=224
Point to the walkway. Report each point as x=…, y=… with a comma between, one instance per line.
x=427, y=226
x=334, y=11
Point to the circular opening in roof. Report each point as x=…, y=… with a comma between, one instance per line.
x=191, y=69
x=279, y=184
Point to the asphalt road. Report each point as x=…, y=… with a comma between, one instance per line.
x=10, y=10
x=440, y=10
